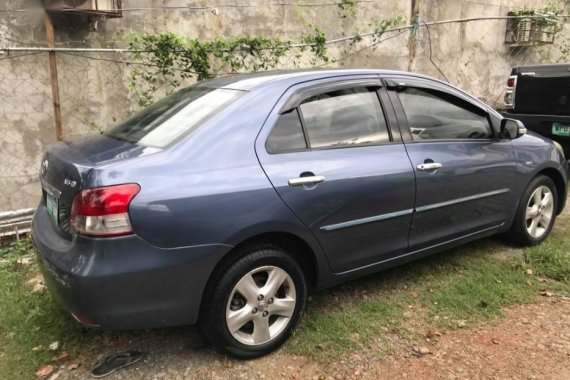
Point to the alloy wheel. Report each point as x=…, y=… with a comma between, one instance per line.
x=261, y=305
x=539, y=212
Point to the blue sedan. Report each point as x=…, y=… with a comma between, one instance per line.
x=225, y=203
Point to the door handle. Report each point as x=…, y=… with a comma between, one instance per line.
x=303, y=181
x=429, y=166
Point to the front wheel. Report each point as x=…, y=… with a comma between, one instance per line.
x=536, y=212
x=254, y=303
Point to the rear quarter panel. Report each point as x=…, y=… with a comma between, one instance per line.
x=210, y=188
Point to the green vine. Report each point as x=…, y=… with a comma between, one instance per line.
x=347, y=8
x=381, y=27
x=543, y=17
x=544, y=22
x=169, y=59
x=317, y=44
x=314, y=36
x=165, y=61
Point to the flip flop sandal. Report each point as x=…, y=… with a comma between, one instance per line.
x=114, y=362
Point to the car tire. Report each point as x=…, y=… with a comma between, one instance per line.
x=253, y=302
x=536, y=213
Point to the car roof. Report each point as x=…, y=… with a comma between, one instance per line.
x=248, y=82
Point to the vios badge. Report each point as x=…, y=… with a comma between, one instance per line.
x=69, y=182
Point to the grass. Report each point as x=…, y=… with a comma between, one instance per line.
x=31, y=321
x=455, y=289
x=27, y=320
x=460, y=288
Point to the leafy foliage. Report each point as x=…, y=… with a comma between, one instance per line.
x=168, y=58
x=165, y=60
x=542, y=17
x=347, y=8
x=383, y=26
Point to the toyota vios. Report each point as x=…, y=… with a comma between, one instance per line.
x=226, y=202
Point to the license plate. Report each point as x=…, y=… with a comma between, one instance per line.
x=559, y=129
x=52, y=207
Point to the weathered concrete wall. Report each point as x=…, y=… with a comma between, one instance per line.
x=473, y=55
x=94, y=93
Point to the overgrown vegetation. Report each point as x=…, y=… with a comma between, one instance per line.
x=170, y=59
x=167, y=60
x=458, y=289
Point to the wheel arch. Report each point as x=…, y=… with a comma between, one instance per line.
x=294, y=245
x=560, y=184
x=305, y=252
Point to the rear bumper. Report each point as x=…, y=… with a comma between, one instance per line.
x=542, y=124
x=124, y=282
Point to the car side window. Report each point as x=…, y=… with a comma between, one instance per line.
x=287, y=134
x=433, y=117
x=347, y=117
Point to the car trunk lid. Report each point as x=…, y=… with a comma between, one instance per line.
x=66, y=166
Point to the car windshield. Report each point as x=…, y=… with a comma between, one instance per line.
x=173, y=117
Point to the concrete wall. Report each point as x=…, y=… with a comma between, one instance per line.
x=94, y=93
x=473, y=55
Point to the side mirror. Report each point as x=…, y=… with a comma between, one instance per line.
x=512, y=129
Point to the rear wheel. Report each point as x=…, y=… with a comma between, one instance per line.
x=536, y=213
x=254, y=303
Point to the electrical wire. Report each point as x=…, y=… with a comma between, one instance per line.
x=358, y=51
x=430, y=52
x=135, y=63
x=299, y=45
x=191, y=8
x=19, y=55
x=122, y=61
x=229, y=73
x=109, y=59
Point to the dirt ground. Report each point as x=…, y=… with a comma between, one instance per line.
x=530, y=342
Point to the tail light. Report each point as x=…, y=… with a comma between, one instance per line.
x=512, y=81
x=510, y=94
x=103, y=211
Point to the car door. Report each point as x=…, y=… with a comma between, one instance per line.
x=465, y=174
x=330, y=152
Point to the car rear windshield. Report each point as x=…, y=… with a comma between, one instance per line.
x=173, y=117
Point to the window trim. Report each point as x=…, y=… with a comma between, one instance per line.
x=438, y=92
x=298, y=96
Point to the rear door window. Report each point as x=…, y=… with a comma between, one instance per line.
x=345, y=118
x=175, y=116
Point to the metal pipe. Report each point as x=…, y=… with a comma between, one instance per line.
x=7, y=215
